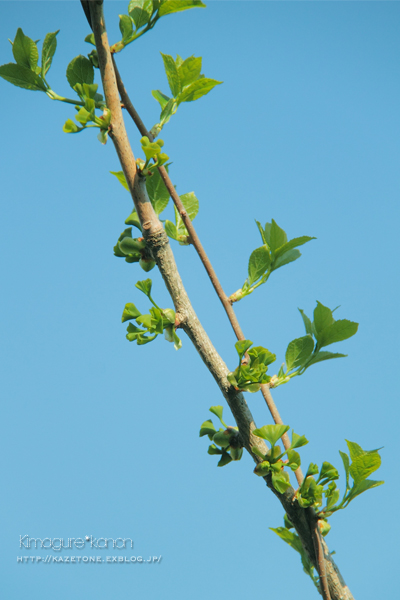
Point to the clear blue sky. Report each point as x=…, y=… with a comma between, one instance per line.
x=99, y=436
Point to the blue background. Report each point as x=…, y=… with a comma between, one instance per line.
x=99, y=436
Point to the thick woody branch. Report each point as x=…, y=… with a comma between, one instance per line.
x=158, y=244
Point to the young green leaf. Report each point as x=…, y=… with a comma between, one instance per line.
x=306, y=321
x=217, y=411
x=362, y=466
x=22, y=77
x=160, y=97
x=271, y=433
x=207, y=428
x=189, y=70
x=294, y=243
x=80, y=70
x=172, y=6
x=262, y=233
x=140, y=11
x=158, y=193
x=362, y=486
x=130, y=312
x=298, y=441
x=214, y=450
x=259, y=262
x=280, y=481
x=322, y=319
x=171, y=230
x=285, y=259
x=346, y=464
x=121, y=178
x=172, y=74
x=337, y=332
x=144, y=286
x=225, y=459
x=25, y=51
x=197, y=89
x=322, y=355
x=191, y=204
x=71, y=127
x=48, y=51
x=277, y=237
x=125, y=27
x=298, y=351
x=242, y=346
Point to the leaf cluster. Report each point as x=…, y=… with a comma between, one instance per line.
x=228, y=439
x=186, y=83
x=253, y=366
x=275, y=252
x=26, y=73
x=157, y=321
x=272, y=462
x=144, y=14
x=305, y=351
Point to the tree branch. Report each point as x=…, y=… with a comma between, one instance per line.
x=201, y=252
x=157, y=242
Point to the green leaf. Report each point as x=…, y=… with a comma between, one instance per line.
x=337, y=332
x=280, y=481
x=261, y=356
x=225, y=459
x=354, y=449
x=207, y=428
x=285, y=259
x=196, y=90
x=125, y=27
x=242, y=346
x=169, y=109
x=328, y=472
x=150, y=149
x=259, y=262
x=289, y=537
x=261, y=230
x=25, y=51
x=172, y=74
x=298, y=351
x=294, y=459
x=214, y=450
x=83, y=116
x=173, y=6
x=298, y=441
x=322, y=319
x=90, y=39
x=22, y=77
x=320, y=356
x=271, y=433
x=346, y=464
x=217, y=411
x=157, y=192
x=189, y=70
x=121, y=178
x=191, y=204
x=161, y=98
x=144, y=286
x=80, y=70
x=71, y=127
x=171, y=230
x=362, y=466
x=140, y=11
x=294, y=243
x=48, y=51
x=130, y=312
x=133, y=219
x=277, y=237
x=363, y=486
x=306, y=321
